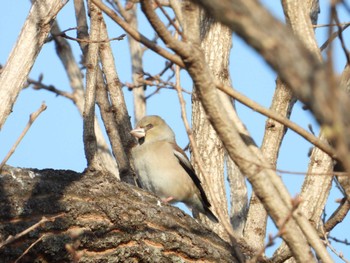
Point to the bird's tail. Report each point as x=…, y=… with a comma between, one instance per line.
x=211, y=215
x=205, y=211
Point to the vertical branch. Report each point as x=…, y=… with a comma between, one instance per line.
x=105, y=155
x=208, y=152
x=315, y=189
x=117, y=120
x=137, y=67
x=298, y=17
x=90, y=144
x=216, y=41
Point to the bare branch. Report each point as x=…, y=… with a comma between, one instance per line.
x=138, y=36
x=29, y=248
x=43, y=220
x=306, y=75
x=277, y=117
x=33, y=35
x=338, y=215
x=63, y=34
x=32, y=118
x=90, y=144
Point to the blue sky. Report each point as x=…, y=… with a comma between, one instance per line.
x=55, y=139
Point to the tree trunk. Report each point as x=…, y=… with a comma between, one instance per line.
x=99, y=219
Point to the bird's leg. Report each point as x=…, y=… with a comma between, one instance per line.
x=168, y=199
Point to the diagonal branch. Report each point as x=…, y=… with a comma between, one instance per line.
x=137, y=35
x=29, y=43
x=32, y=118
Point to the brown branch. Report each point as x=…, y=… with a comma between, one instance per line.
x=171, y=21
x=339, y=254
x=113, y=109
x=62, y=34
x=338, y=215
x=43, y=220
x=89, y=136
x=277, y=117
x=281, y=228
x=32, y=118
x=327, y=25
x=37, y=85
x=198, y=160
x=28, y=45
x=137, y=35
x=305, y=74
x=266, y=184
x=29, y=248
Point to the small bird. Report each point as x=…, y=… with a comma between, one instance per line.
x=163, y=167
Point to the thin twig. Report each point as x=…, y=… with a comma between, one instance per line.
x=39, y=85
x=63, y=34
x=43, y=220
x=340, y=30
x=333, y=36
x=121, y=37
x=178, y=30
x=137, y=35
x=338, y=215
x=32, y=118
x=275, y=116
x=327, y=25
x=30, y=247
x=339, y=254
x=345, y=241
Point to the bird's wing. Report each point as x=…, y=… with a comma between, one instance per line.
x=185, y=163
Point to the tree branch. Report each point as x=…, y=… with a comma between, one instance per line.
x=29, y=43
x=136, y=35
x=305, y=74
x=90, y=144
x=32, y=118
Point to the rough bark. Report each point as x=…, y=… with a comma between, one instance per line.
x=216, y=41
x=210, y=147
x=101, y=219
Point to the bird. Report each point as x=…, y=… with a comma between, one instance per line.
x=163, y=168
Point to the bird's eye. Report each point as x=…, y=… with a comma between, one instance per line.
x=149, y=126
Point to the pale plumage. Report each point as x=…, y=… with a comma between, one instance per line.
x=164, y=169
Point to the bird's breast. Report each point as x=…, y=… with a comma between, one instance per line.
x=160, y=172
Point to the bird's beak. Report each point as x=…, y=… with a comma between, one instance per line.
x=138, y=133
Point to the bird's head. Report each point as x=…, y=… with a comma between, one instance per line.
x=152, y=128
